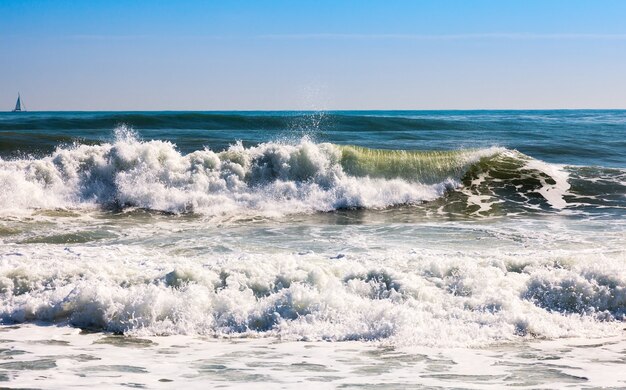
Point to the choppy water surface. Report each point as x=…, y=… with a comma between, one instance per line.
x=448, y=249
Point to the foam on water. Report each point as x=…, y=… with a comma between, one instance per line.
x=553, y=193
x=268, y=179
x=407, y=297
x=66, y=358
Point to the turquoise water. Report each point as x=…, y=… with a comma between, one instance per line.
x=443, y=230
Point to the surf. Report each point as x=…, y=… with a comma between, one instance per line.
x=275, y=178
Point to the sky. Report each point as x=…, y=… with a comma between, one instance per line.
x=312, y=55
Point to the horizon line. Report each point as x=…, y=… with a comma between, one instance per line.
x=324, y=110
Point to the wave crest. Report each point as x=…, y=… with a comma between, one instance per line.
x=272, y=178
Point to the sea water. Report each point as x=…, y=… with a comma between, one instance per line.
x=473, y=249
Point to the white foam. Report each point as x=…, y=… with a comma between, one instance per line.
x=104, y=361
x=553, y=193
x=474, y=197
x=422, y=297
x=269, y=179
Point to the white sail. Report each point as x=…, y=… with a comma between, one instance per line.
x=18, y=104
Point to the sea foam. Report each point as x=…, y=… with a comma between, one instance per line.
x=272, y=178
x=426, y=297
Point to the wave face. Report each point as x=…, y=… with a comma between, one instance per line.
x=268, y=178
x=278, y=178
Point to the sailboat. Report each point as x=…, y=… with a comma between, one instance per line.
x=18, y=104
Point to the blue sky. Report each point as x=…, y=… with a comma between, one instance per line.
x=214, y=55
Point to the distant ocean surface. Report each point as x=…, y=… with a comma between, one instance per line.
x=419, y=240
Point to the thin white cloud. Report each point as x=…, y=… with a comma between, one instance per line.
x=450, y=37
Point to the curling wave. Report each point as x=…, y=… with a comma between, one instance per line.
x=278, y=178
x=270, y=178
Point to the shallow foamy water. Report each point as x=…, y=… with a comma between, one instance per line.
x=61, y=357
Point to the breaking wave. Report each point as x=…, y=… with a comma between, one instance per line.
x=270, y=178
x=421, y=297
x=277, y=178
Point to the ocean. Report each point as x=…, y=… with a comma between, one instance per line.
x=343, y=249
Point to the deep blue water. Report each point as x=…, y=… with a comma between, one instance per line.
x=573, y=137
